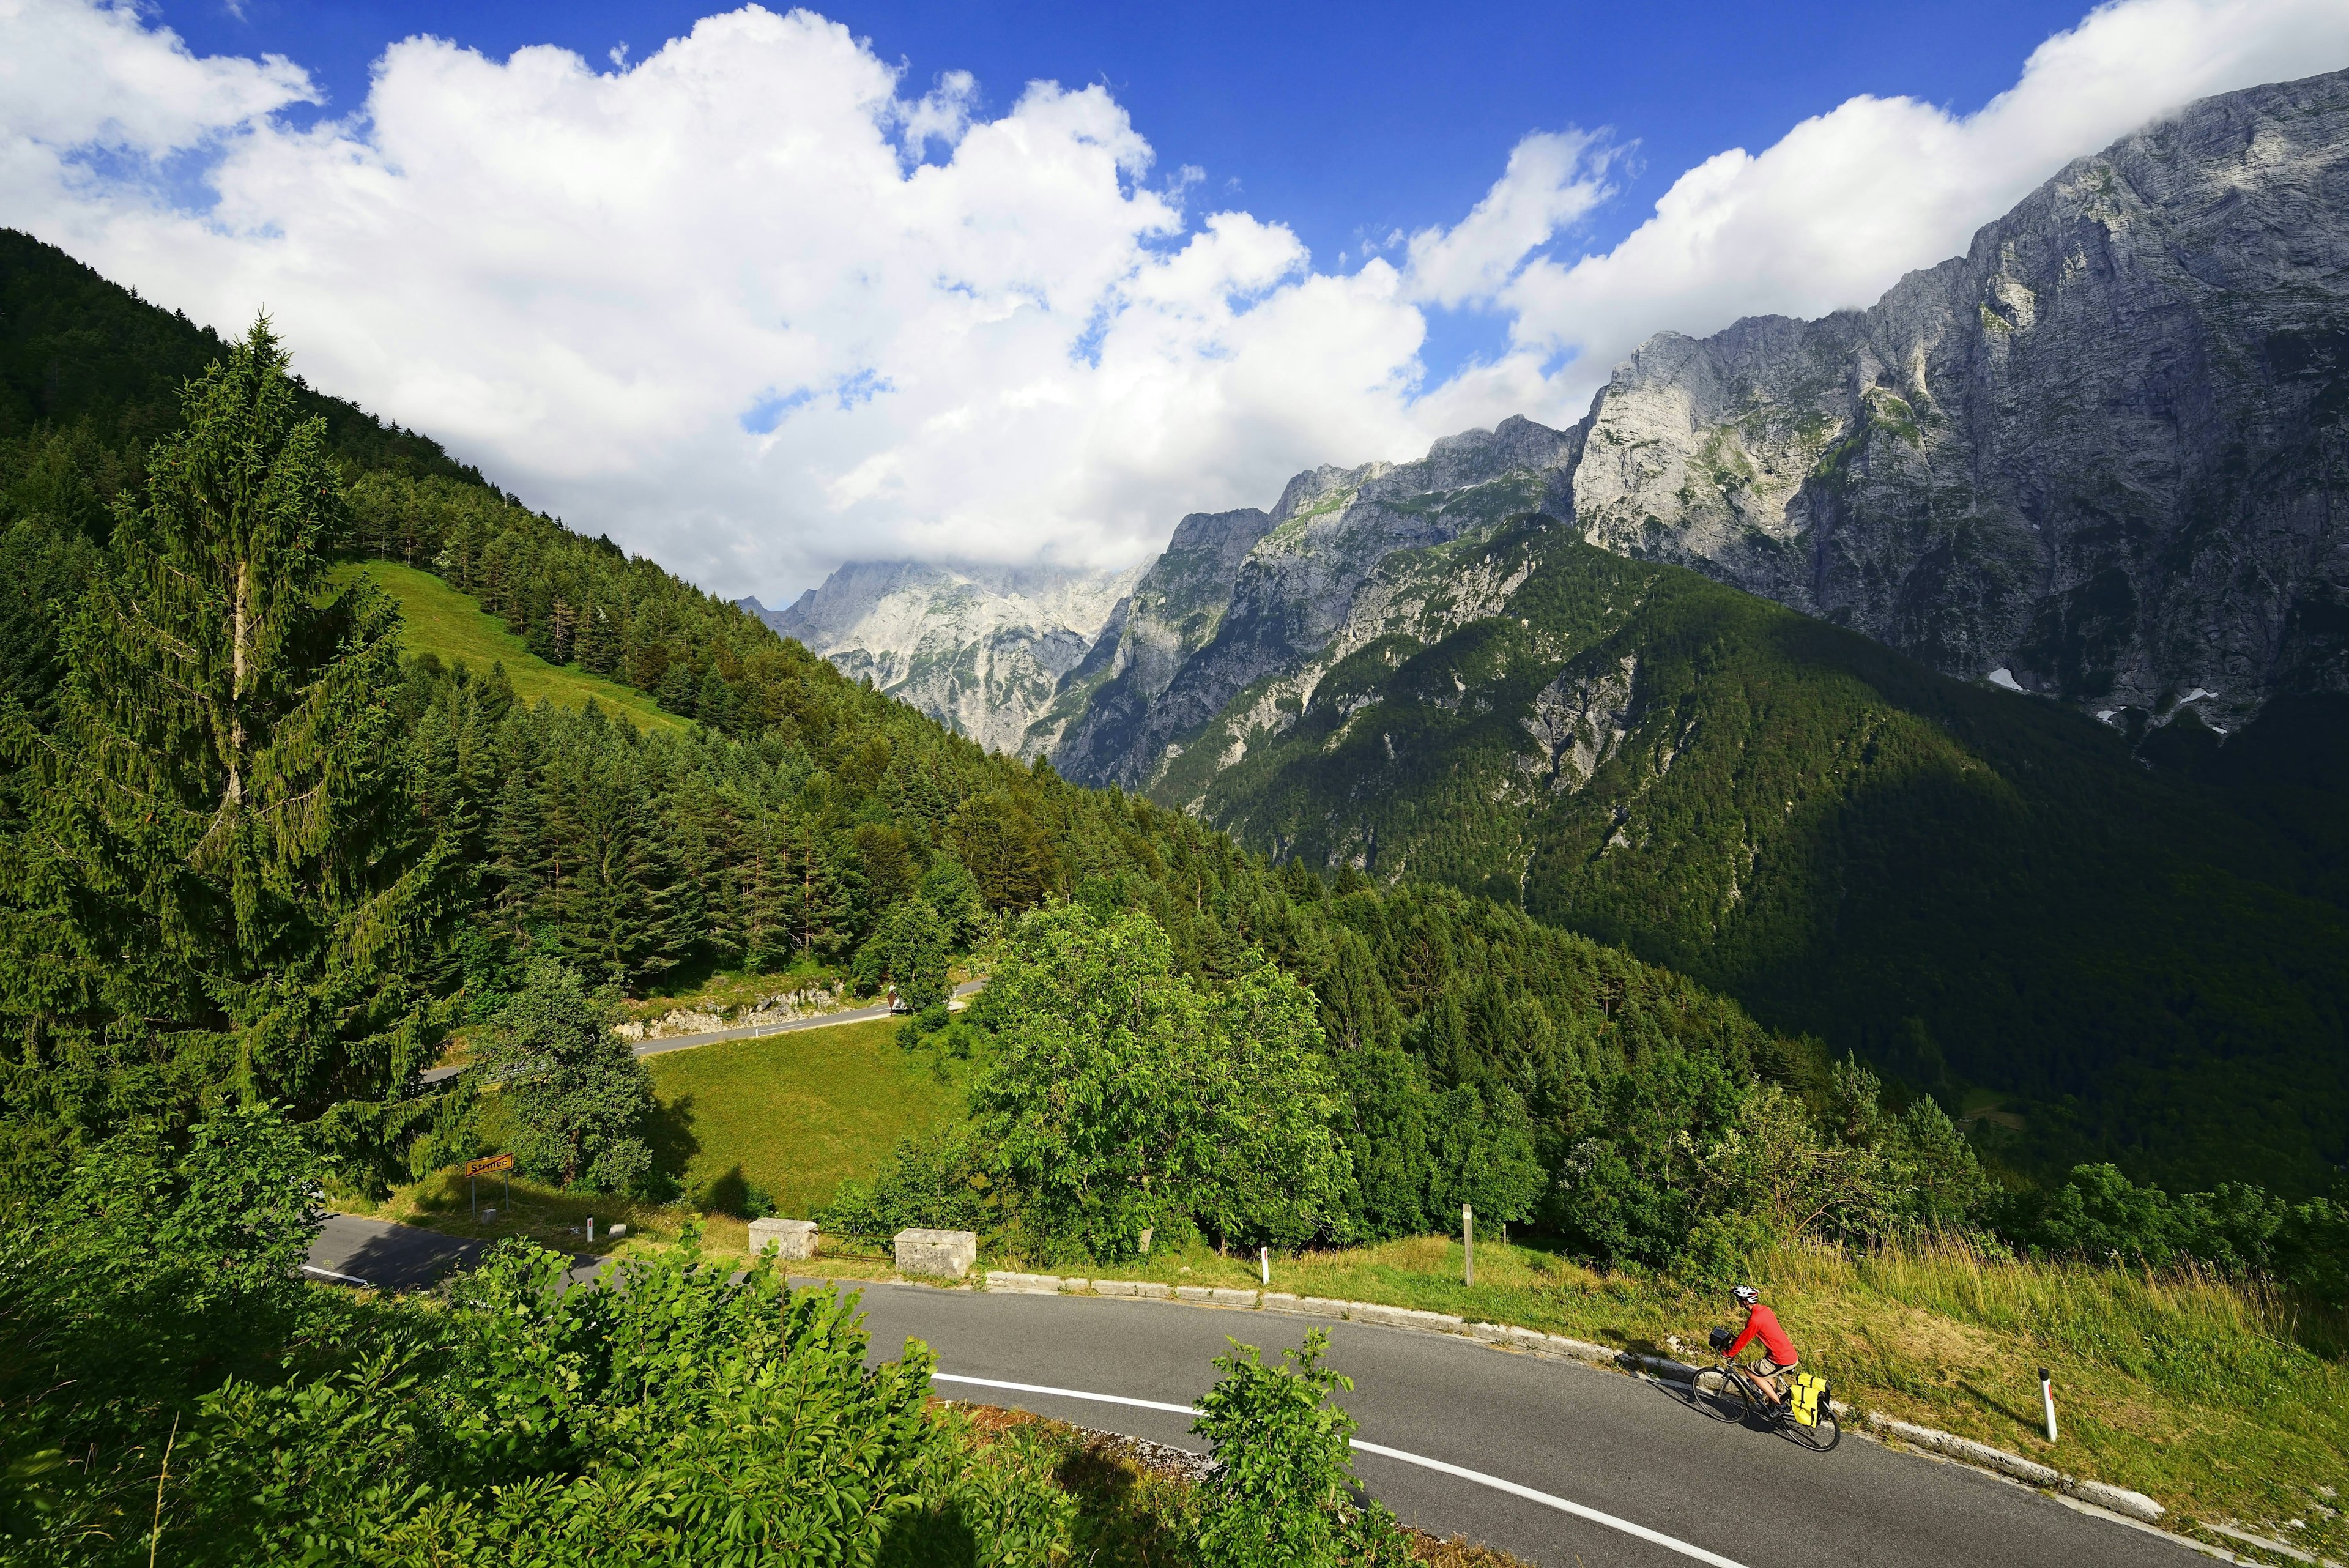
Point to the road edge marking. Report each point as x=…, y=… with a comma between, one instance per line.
x=1548, y=1500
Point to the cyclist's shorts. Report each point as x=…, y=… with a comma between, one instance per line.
x=1769, y=1368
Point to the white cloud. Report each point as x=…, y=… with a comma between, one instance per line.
x=1552, y=180
x=751, y=309
x=1845, y=203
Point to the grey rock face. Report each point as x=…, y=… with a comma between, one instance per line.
x=2101, y=456
x=1175, y=609
x=979, y=648
x=2102, y=451
x=1288, y=582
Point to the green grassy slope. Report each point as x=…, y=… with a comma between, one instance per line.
x=1967, y=885
x=441, y=621
x=795, y=1114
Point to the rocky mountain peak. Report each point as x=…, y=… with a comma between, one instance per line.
x=979, y=648
x=2102, y=452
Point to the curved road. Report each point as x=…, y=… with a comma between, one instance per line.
x=1631, y=1448
x=1626, y=1448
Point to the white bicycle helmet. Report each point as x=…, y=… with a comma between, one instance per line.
x=1746, y=1295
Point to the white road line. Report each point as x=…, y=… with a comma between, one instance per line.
x=1563, y=1505
x=1068, y=1393
x=330, y=1274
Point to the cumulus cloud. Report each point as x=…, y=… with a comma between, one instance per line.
x=754, y=305
x=1846, y=203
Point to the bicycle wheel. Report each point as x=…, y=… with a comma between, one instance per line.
x=1820, y=1436
x=1719, y=1396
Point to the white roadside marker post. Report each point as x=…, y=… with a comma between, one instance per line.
x=591, y=1229
x=1468, y=1245
x=2047, y=1397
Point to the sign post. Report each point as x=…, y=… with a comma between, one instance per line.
x=1468, y=1244
x=487, y=1165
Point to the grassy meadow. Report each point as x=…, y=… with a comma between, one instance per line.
x=793, y=1114
x=441, y=621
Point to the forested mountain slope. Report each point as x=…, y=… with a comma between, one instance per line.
x=2097, y=459
x=1972, y=886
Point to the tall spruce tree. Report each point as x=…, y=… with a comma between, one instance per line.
x=221, y=880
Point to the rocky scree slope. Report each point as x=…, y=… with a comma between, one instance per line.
x=2102, y=451
x=981, y=649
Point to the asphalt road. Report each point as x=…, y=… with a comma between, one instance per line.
x=1631, y=1448
x=388, y=1257
x=1626, y=1448
x=747, y=1032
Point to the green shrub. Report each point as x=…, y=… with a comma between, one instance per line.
x=1281, y=1497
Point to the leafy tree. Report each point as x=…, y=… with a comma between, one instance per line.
x=949, y=890
x=1119, y=1096
x=154, y=1271
x=909, y=951
x=221, y=868
x=1281, y=1497
x=574, y=1093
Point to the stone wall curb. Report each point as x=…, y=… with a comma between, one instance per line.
x=2132, y=1505
x=1949, y=1445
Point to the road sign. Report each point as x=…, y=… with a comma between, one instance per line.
x=489, y=1163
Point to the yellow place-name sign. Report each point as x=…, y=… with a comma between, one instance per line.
x=489, y=1163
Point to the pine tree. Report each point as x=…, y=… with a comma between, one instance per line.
x=223, y=870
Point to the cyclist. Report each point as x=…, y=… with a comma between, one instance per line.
x=1779, y=1354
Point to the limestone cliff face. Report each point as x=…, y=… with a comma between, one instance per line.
x=2102, y=452
x=979, y=648
x=1104, y=710
x=1241, y=596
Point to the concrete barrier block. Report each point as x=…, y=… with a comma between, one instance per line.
x=1023, y=1284
x=944, y=1254
x=1148, y=1289
x=793, y=1240
x=1072, y=1285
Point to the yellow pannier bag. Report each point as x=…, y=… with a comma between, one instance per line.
x=1809, y=1394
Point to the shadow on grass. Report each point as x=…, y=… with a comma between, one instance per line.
x=726, y=1194
x=2010, y=1412
x=668, y=1132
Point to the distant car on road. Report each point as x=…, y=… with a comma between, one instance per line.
x=897, y=1002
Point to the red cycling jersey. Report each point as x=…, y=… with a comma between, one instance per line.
x=1760, y=1320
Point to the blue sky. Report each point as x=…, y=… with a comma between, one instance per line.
x=780, y=291
x=1340, y=122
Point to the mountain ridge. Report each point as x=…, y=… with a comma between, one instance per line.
x=981, y=648
x=1546, y=664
